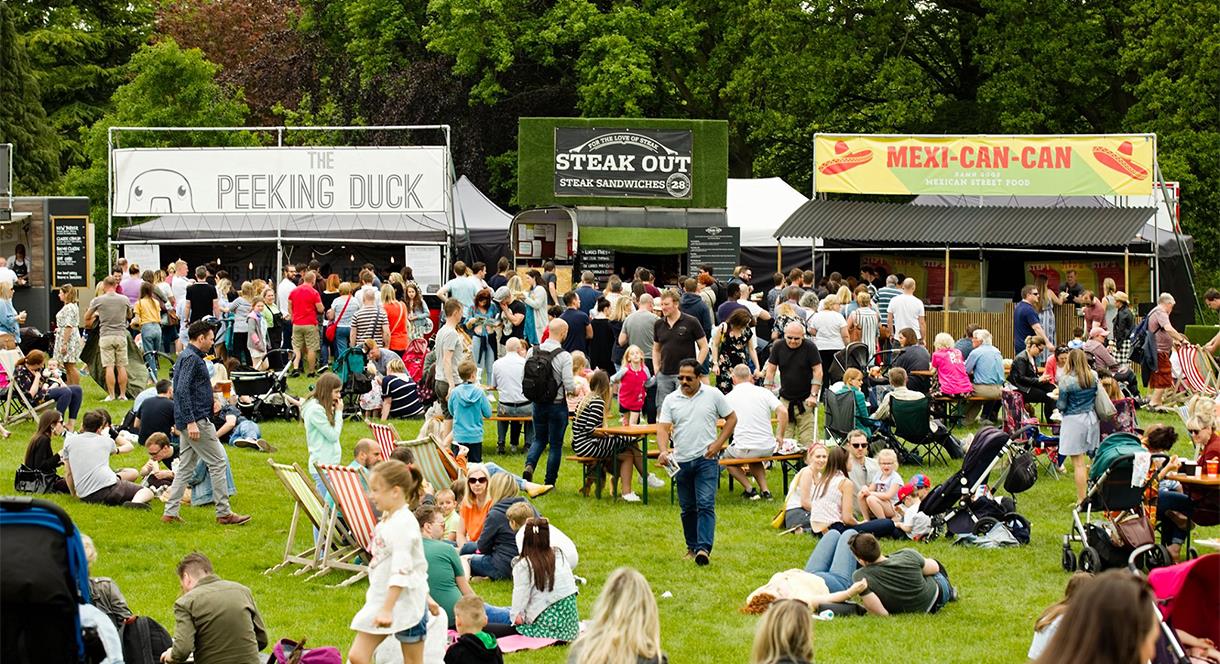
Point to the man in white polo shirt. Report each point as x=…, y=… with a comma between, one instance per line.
x=688, y=418
x=906, y=310
x=753, y=439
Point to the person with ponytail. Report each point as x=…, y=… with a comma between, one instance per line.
x=396, y=601
x=625, y=628
x=544, y=588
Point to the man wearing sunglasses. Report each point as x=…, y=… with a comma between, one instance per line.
x=800, y=378
x=688, y=419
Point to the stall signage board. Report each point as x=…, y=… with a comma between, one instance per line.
x=291, y=179
x=70, y=246
x=425, y=262
x=623, y=162
x=1101, y=165
x=598, y=261
x=717, y=246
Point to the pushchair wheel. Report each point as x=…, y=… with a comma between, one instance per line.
x=1157, y=556
x=1069, y=560
x=1090, y=560
x=984, y=525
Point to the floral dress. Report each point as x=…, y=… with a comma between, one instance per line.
x=68, y=343
x=734, y=350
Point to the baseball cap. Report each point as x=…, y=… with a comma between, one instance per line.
x=904, y=491
x=501, y=294
x=920, y=481
x=1098, y=332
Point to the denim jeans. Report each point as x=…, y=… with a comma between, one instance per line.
x=150, y=341
x=833, y=561
x=550, y=424
x=67, y=399
x=483, y=352
x=498, y=615
x=946, y=591
x=666, y=383
x=169, y=334
x=245, y=430
x=696, y=485
x=503, y=428
x=342, y=335
x=1178, y=502
x=494, y=469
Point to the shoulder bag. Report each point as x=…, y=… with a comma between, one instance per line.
x=333, y=327
x=1103, y=406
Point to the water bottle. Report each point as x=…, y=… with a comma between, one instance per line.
x=825, y=615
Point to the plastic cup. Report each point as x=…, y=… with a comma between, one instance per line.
x=1213, y=467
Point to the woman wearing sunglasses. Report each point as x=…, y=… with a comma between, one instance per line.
x=473, y=510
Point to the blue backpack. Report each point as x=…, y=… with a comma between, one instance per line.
x=1138, y=339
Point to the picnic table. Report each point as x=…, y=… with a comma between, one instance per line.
x=641, y=431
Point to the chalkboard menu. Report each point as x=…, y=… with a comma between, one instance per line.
x=598, y=261
x=70, y=246
x=717, y=246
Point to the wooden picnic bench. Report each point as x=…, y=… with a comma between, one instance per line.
x=595, y=470
x=788, y=463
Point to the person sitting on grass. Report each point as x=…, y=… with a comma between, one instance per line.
x=235, y=429
x=473, y=645
x=909, y=519
x=469, y=405
x=800, y=496
x=625, y=626
x=1112, y=618
x=103, y=591
x=1048, y=622
x=447, y=581
x=446, y=502
x=903, y=582
x=399, y=393
x=497, y=543
x=215, y=620
x=365, y=454
x=40, y=456
x=86, y=457
x=784, y=635
x=199, y=486
x=830, y=504
x=877, y=500
x=544, y=588
x=521, y=512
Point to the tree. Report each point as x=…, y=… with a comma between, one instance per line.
x=78, y=50
x=23, y=122
x=168, y=87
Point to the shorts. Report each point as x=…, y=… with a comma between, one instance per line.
x=628, y=409
x=441, y=390
x=1164, y=373
x=113, y=350
x=306, y=337
x=736, y=452
x=414, y=634
x=118, y=493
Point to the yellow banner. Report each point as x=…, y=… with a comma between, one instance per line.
x=1092, y=276
x=1119, y=165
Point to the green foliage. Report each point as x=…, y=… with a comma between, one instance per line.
x=168, y=87
x=78, y=51
x=23, y=121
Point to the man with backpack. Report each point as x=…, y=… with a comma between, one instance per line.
x=546, y=381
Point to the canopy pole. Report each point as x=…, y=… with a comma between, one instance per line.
x=945, y=302
x=779, y=257
x=1127, y=270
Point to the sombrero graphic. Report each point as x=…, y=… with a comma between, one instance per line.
x=1120, y=161
x=844, y=160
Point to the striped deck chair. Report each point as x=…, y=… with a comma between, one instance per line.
x=307, y=502
x=386, y=437
x=347, y=488
x=1199, y=373
x=438, y=467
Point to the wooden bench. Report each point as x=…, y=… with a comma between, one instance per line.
x=594, y=470
x=509, y=418
x=788, y=463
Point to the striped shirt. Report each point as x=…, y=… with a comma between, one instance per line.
x=884, y=295
x=403, y=395
x=869, y=322
x=368, y=323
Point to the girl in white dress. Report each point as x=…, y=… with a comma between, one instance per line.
x=397, y=600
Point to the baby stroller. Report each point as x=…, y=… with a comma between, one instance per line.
x=349, y=367
x=1186, y=597
x=1116, y=491
x=43, y=582
x=1026, y=432
x=854, y=356
x=963, y=504
x=263, y=395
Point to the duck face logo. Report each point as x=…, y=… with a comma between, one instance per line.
x=160, y=191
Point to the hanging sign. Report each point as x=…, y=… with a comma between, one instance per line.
x=1112, y=165
x=718, y=247
x=245, y=180
x=636, y=163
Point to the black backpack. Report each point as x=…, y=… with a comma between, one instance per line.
x=538, y=383
x=1022, y=473
x=144, y=639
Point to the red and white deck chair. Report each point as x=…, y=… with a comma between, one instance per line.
x=347, y=487
x=1199, y=371
x=307, y=502
x=386, y=437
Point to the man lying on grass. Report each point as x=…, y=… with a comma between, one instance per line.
x=903, y=582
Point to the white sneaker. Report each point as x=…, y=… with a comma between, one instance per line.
x=109, y=397
x=655, y=482
x=630, y=498
x=1056, y=416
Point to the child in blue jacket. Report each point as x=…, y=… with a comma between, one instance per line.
x=469, y=406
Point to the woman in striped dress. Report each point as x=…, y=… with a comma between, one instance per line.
x=591, y=414
x=1048, y=299
x=864, y=323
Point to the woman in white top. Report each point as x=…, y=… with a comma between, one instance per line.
x=544, y=589
x=796, y=509
x=831, y=497
x=864, y=322
x=535, y=302
x=829, y=329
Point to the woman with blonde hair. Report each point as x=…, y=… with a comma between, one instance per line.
x=843, y=296
x=241, y=323
x=474, y=507
x=864, y=322
x=1048, y=299
x=68, y=342
x=10, y=320
x=625, y=627
x=620, y=309
x=1109, y=289
x=498, y=541
x=1080, y=430
x=784, y=635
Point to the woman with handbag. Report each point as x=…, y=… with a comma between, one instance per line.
x=342, y=309
x=41, y=459
x=396, y=315
x=1080, y=429
x=417, y=311
x=481, y=325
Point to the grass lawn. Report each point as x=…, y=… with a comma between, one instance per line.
x=1002, y=591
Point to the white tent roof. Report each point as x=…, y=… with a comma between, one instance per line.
x=476, y=209
x=758, y=207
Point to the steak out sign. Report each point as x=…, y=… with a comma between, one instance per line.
x=635, y=163
x=986, y=165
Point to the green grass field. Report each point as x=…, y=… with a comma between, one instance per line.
x=1002, y=591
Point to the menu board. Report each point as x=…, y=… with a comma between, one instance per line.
x=70, y=246
x=598, y=261
x=717, y=246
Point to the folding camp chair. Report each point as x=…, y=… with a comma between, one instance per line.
x=386, y=437
x=307, y=501
x=1026, y=432
x=840, y=415
x=16, y=404
x=437, y=465
x=912, y=423
x=347, y=488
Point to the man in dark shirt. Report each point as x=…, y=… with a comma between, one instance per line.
x=587, y=293
x=1070, y=289
x=730, y=304
x=913, y=357
x=201, y=297
x=903, y=582
x=192, y=391
x=1025, y=319
x=580, y=328
x=157, y=413
x=676, y=337
x=800, y=378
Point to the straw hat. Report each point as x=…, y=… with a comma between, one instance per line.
x=1121, y=297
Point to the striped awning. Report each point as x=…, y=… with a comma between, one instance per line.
x=875, y=223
